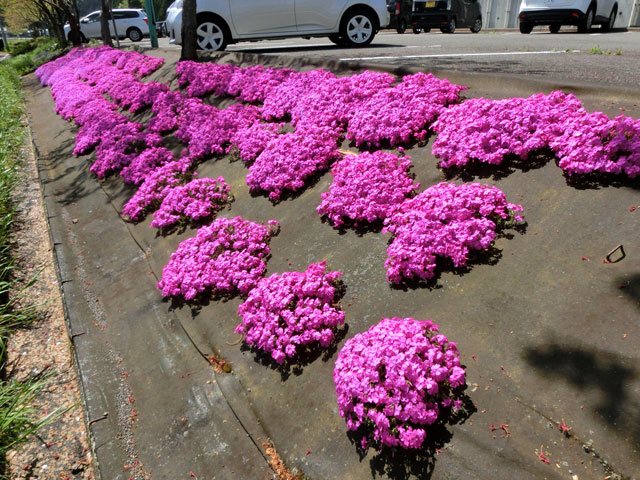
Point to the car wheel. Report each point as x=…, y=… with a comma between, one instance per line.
x=337, y=39
x=526, y=27
x=402, y=26
x=607, y=27
x=211, y=34
x=451, y=27
x=417, y=30
x=585, y=25
x=134, y=34
x=554, y=27
x=358, y=28
x=477, y=25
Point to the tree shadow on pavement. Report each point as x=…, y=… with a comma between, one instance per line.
x=589, y=369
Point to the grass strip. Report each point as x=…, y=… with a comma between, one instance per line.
x=17, y=415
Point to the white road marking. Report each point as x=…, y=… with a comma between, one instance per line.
x=442, y=55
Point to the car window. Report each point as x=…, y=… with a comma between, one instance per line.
x=93, y=17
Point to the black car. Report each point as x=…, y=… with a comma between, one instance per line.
x=400, y=14
x=447, y=15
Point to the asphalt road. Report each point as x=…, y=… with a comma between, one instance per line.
x=608, y=59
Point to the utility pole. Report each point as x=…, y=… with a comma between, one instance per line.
x=151, y=19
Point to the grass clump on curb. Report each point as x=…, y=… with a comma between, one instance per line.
x=17, y=416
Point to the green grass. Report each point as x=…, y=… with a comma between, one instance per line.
x=17, y=416
x=28, y=55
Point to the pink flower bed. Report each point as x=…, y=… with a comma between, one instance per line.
x=208, y=130
x=225, y=257
x=367, y=187
x=254, y=84
x=283, y=98
x=596, y=143
x=445, y=221
x=290, y=159
x=287, y=311
x=249, y=142
x=487, y=130
x=200, y=79
x=199, y=199
x=396, y=379
x=145, y=163
x=156, y=185
x=402, y=113
x=333, y=101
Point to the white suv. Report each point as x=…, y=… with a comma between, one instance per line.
x=130, y=23
x=555, y=13
x=220, y=22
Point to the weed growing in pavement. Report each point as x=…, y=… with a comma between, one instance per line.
x=598, y=51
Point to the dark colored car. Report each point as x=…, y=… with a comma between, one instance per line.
x=447, y=15
x=400, y=14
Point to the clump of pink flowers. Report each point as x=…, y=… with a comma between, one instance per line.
x=290, y=159
x=596, y=143
x=199, y=199
x=487, y=130
x=225, y=257
x=396, y=379
x=367, y=187
x=444, y=221
x=287, y=311
x=156, y=185
x=200, y=79
x=249, y=142
x=145, y=163
x=400, y=114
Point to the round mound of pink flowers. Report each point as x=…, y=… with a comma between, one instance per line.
x=199, y=199
x=224, y=257
x=367, y=187
x=446, y=221
x=289, y=310
x=396, y=379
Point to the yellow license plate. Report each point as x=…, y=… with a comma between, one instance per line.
x=430, y=4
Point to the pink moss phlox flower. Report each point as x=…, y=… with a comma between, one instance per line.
x=287, y=311
x=208, y=130
x=120, y=146
x=201, y=79
x=165, y=109
x=143, y=164
x=402, y=113
x=445, y=221
x=156, y=185
x=281, y=100
x=249, y=141
x=396, y=379
x=290, y=159
x=486, y=130
x=197, y=200
x=594, y=142
x=367, y=187
x=333, y=101
x=225, y=257
x=254, y=84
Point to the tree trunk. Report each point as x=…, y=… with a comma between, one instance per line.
x=189, y=25
x=74, y=30
x=104, y=25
